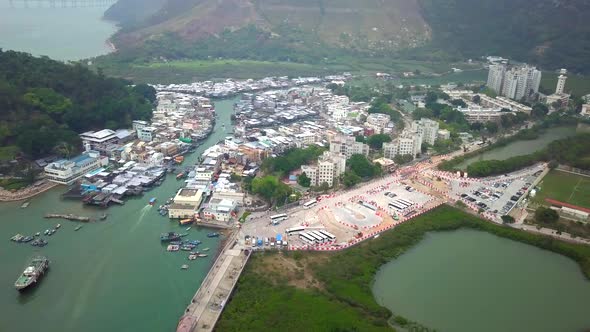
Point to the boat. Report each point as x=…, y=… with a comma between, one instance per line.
x=192, y=257
x=179, y=159
x=17, y=238
x=103, y=217
x=185, y=221
x=170, y=236
x=32, y=273
x=38, y=234
x=206, y=249
x=176, y=242
x=188, y=228
x=39, y=243
x=77, y=228
x=376, y=236
x=194, y=242
x=27, y=239
x=51, y=232
x=187, y=247
x=214, y=234
x=184, y=267
x=57, y=226
x=25, y=205
x=152, y=201
x=173, y=247
x=46, y=232
x=202, y=255
x=163, y=212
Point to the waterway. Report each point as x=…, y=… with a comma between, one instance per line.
x=519, y=148
x=60, y=33
x=468, y=281
x=112, y=275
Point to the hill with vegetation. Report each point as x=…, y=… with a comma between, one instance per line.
x=279, y=30
x=549, y=33
x=44, y=104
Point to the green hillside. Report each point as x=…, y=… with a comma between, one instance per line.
x=549, y=33
x=44, y=104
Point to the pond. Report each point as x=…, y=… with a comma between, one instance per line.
x=467, y=280
x=522, y=147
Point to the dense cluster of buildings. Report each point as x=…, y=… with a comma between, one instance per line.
x=231, y=87
x=118, y=163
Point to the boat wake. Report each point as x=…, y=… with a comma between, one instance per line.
x=142, y=214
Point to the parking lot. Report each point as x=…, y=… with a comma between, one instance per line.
x=496, y=195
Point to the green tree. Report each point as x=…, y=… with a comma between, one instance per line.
x=376, y=141
x=271, y=189
x=403, y=159
x=508, y=219
x=546, y=215
x=303, y=180
x=350, y=179
x=491, y=127
x=539, y=110
x=362, y=167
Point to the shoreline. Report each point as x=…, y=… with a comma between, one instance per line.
x=5, y=195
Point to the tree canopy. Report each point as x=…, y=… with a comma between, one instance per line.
x=45, y=103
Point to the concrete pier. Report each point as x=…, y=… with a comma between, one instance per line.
x=208, y=303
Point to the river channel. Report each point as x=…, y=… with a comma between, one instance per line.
x=60, y=33
x=465, y=280
x=112, y=275
x=522, y=147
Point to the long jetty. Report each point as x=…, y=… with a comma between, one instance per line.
x=208, y=303
x=67, y=217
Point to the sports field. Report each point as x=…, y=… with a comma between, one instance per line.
x=565, y=187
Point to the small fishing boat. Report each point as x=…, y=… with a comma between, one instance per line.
x=192, y=257
x=152, y=201
x=173, y=247
x=169, y=237
x=57, y=226
x=202, y=255
x=214, y=234
x=46, y=232
x=77, y=228
x=27, y=239
x=194, y=242
x=206, y=249
x=39, y=243
x=187, y=247
x=25, y=205
x=17, y=238
x=38, y=234
x=179, y=176
x=188, y=228
x=184, y=267
x=186, y=221
x=103, y=217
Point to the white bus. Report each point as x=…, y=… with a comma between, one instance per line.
x=395, y=206
x=278, y=218
x=405, y=201
x=290, y=231
x=328, y=235
x=323, y=238
x=369, y=206
x=318, y=239
x=405, y=205
x=310, y=203
x=306, y=238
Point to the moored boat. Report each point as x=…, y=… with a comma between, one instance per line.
x=77, y=228
x=25, y=205
x=184, y=267
x=173, y=247
x=202, y=255
x=152, y=201
x=170, y=236
x=206, y=249
x=188, y=228
x=185, y=221
x=32, y=273
x=214, y=234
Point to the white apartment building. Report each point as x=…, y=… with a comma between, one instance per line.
x=482, y=115
x=68, y=171
x=444, y=134
x=146, y=134
x=427, y=128
x=98, y=140
x=514, y=83
x=347, y=145
x=496, y=77
x=409, y=143
x=329, y=167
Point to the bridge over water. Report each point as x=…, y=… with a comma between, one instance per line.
x=60, y=3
